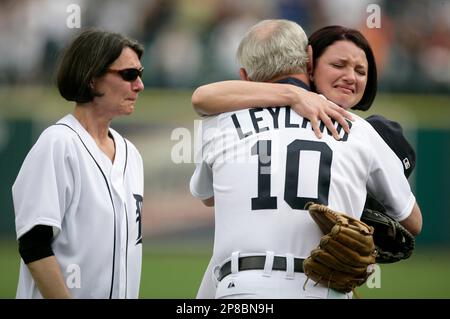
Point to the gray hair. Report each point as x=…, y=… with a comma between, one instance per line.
x=273, y=48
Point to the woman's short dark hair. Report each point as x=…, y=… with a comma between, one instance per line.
x=323, y=38
x=88, y=57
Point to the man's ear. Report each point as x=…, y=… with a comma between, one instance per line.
x=243, y=74
x=92, y=84
x=310, y=64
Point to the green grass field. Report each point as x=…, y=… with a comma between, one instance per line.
x=169, y=273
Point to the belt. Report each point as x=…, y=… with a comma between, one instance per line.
x=258, y=262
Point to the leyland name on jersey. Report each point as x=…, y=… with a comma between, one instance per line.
x=263, y=165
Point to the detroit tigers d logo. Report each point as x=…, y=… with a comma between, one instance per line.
x=139, y=200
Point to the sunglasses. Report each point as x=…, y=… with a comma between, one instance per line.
x=128, y=75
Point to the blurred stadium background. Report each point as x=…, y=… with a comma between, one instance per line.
x=192, y=42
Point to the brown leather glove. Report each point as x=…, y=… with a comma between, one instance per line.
x=346, y=250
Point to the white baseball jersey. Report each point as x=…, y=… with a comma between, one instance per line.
x=263, y=165
x=93, y=205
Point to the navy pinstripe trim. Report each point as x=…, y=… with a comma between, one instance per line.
x=112, y=202
x=126, y=218
x=126, y=254
x=126, y=156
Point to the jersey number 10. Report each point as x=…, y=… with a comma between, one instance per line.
x=263, y=149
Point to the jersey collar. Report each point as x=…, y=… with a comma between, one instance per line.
x=96, y=152
x=296, y=82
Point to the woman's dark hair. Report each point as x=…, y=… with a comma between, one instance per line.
x=88, y=57
x=323, y=38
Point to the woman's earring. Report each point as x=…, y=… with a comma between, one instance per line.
x=311, y=78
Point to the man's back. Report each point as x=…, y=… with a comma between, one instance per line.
x=267, y=164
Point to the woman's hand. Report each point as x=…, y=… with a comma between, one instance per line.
x=317, y=108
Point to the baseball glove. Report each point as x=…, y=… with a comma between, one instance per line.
x=346, y=250
x=393, y=242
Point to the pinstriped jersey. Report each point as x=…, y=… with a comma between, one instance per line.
x=93, y=206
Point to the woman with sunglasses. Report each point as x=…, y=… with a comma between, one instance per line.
x=78, y=195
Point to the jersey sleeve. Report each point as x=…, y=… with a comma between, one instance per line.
x=201, y=184
x=386, y=180
x=44, y=186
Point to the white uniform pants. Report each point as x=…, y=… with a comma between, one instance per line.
x=271, y=284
